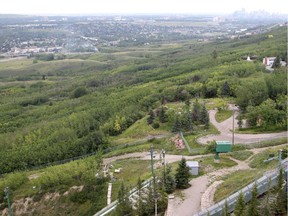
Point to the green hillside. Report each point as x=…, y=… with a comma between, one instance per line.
x=60, y=109
x=56, y=110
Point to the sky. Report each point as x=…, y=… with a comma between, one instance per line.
x=64, y=7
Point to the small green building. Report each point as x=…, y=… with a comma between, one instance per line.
x=222, y=147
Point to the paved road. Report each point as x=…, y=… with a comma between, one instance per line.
x=191, y=198
x=226, y=127
x=200, y=195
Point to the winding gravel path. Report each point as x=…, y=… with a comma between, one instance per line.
x=226, y=128
x=200, y=195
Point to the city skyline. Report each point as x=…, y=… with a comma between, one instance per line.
x=66, y=7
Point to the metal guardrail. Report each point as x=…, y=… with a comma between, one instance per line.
x=262, y=186
x=114, y=204
x=185, y=142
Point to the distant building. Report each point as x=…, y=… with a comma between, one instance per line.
x=268, y=61
x=193, y=166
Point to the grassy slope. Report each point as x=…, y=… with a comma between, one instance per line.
x=62, y=78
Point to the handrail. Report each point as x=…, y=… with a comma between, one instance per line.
x=114, y=204
x=185, y=142
x=262, y=186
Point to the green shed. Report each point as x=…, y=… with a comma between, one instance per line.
x=222, y=147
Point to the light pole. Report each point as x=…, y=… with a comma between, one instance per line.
x=233, y=124
x=6, y=190
x=233, y=139
x=152, y=163
x=154, y=182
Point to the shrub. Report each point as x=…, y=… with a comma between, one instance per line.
x=79, y=92
x=211, y=147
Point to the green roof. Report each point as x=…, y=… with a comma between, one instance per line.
x=223, y=143
x=223, y=146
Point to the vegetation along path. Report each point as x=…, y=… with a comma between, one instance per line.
x=201, y=193
x=226, y=132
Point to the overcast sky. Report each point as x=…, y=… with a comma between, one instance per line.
x=138, y=6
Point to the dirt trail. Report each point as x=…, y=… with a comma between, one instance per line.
x=192, y=200
x=201, y=194
x=226, y=128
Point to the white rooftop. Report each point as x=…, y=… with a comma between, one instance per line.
x=192, y=163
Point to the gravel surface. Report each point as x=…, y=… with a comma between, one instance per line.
x=200, y=194
x=226, y=127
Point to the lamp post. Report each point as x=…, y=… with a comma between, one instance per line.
x=233, y=138
x=233, y=124
x=152, y=163
x=155, y=195
x=6, y=190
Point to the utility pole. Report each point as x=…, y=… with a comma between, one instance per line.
x=152, y=163
x=153, y=176
x=233, y=128
x=6, y=190
x=279, y=159
x=233, y=124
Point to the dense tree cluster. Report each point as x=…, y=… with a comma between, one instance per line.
x=188, y=118
x=85, y=99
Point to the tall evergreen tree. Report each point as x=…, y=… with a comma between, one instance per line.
x=240, y=121
x=280, y=207
x=225, y=209
x=176, y=125
x=162, y=115
x=151, y=117
x=182, y=175
x=124, y=206
x=186, y=120
x=187, y=103
x=140, y=205
x=99, y=159
x=214, y=54
x=169, y=182
x=204, y=116
x=276, y=63
x=253, y=204
x=225, y=91
x=265, y=209
x=240, y=205
x=149, y=201
x=196, y=111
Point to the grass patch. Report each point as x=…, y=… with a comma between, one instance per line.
x=267, y=143
x=158, y=144
x=241, y=155
x=130, y=172
x=139, y=130
x=199, y=132
x=259, y=130
x=207, y=164
x=234, y=182
x=222, y=115
x=180, y=194
x=258, y=159
x=137, y=148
